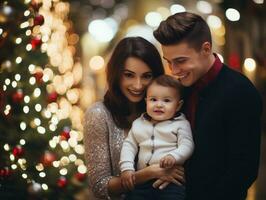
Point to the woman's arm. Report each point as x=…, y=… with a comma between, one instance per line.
x=151, y=172
x=97, y=152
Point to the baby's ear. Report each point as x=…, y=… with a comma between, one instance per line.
x=180, y=104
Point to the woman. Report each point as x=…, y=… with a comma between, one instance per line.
x=132, y=66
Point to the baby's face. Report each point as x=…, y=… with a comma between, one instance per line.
x=162, y=102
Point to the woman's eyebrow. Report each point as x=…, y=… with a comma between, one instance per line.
x=127, y=70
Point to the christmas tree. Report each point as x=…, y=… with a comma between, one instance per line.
x=40, y=129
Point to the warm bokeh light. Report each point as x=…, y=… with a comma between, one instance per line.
x=177, y=8
x=204, y=7
x=153, y=19
x=232, y=14
x=96, y=63
x=214, y=21
x=250, y=64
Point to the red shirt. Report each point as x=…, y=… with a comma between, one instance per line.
x=198, y=86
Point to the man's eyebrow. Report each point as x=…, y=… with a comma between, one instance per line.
x=176, y=59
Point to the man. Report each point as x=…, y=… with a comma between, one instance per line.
x=223, y=107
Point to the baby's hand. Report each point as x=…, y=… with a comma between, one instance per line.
x=128, y=179
x=167, y=161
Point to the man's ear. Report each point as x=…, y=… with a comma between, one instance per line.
x=180, y=104
x=206, y=48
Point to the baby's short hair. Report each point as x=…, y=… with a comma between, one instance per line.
x=168, y=81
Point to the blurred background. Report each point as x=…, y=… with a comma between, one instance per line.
x=52, y=62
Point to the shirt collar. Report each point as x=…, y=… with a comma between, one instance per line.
x=147, y=117
x=210, y=75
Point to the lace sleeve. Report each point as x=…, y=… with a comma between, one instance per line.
x=97, y=152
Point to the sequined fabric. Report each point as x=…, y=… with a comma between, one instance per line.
x=103, y=142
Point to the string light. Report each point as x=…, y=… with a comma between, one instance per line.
x=26, y=109
x=31, y=67
x=79, y=149
x=17, y=77
x=52, y=144
x=28, y=47
x=37, y=91
x=6, y=147
x=38, y=107
x=7, y=81
x=56, y=164
x=39, y=167
x=41, y=130
x=14, y=166
x=18, y=40
x=28, y=32
x=82, y=169
x=26, y=99
x=32, y=80
x=72, y=157
x=42, y=174
x=37, y=121
x=44, y=186
x=22, y=142
x=7, y=109
x=14, y=84
x=18, y=60
x=23, y=126
x=26, y=13
x=24, y=176
x=63, y=171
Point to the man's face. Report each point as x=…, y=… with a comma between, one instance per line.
x=187, y=64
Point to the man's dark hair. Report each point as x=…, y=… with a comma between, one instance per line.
x=183, y=27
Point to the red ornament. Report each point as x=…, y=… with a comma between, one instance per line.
x=35, y=42
x=38, y=20
x=48, y=158
x=38, y=76
x=80, y=176
x=62, y=182
x=18, y=96
x=18, y=151
x=6, y=172
x=52, y=97
x=65, y=134
x=234, y=61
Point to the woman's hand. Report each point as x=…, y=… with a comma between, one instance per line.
x=128, y=180
x=165, y=176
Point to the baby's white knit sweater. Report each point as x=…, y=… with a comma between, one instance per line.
x=172, y=137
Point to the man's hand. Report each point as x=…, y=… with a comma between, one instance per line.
x=174, y=175
x=128, y=179
x=167, y=161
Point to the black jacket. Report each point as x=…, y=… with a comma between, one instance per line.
x=227, y=139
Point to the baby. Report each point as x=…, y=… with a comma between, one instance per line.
x=161, y=135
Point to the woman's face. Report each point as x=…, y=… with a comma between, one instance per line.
x=135, y=78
